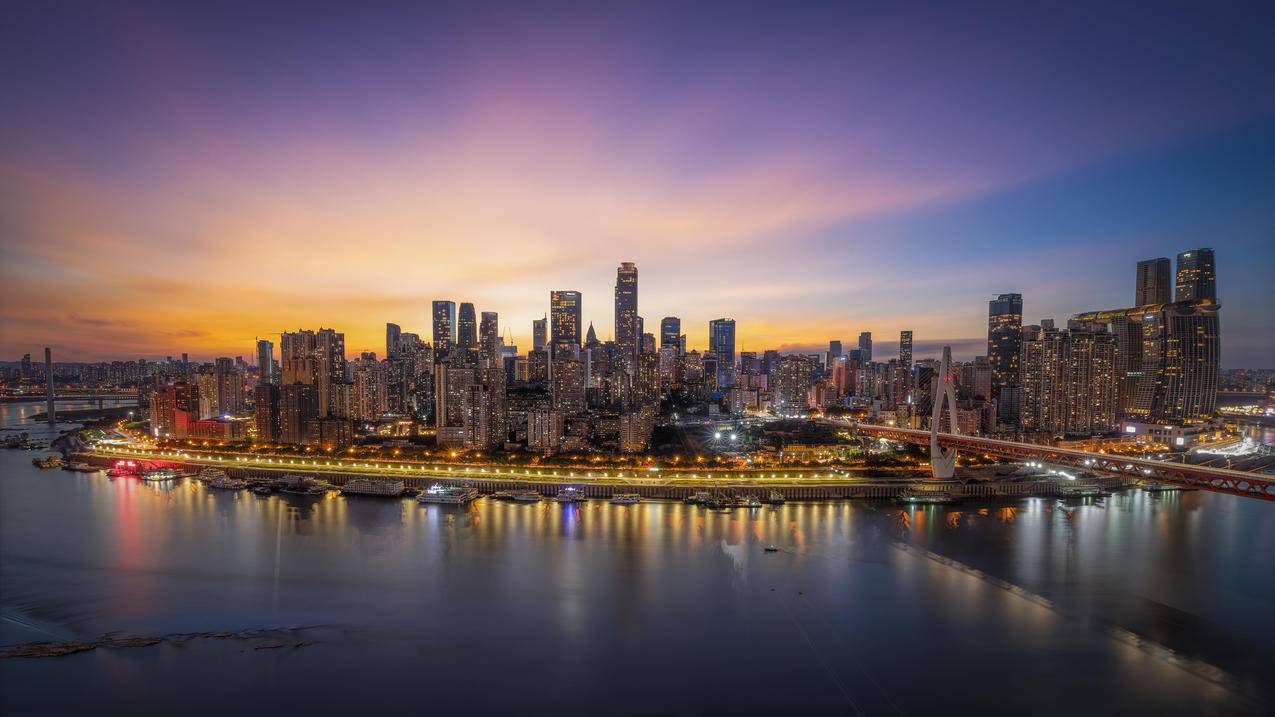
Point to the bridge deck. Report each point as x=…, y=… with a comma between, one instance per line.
x=1220, y=480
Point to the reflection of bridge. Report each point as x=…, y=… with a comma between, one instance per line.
x=1220, y=480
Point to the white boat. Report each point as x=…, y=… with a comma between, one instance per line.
x=698, y=498
x=370, y=486
x=750, y=501
x=525, y=496
x=925, y=497
x=225, y=482
x=159, y=475
x=448, y=495
x=775, y=498
x=570, y=495
x=626, y=498
x=210, y=474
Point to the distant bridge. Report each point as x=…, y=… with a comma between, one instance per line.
x=86, y=396
x=1218, y=480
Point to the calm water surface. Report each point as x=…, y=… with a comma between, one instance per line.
x=1135, y=604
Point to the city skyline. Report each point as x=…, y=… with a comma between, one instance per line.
x=179, y=185
x=964, y=349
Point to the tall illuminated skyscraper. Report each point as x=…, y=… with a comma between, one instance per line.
x=489, y=340
x=721, y=341
x=564, y=313
x=444, y=327
x=671, y=333
x=905, y=349
x=1153, y=282
x=392, y=334
x=627, y=333
x=467, y=333
x=539, y=334
x=865, y=346
x=1004, y=339
x=1196, y=280
x=265, y=362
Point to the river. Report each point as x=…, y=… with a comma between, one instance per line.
x=1138, y=603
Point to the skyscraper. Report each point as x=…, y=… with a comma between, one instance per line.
x=865, y=346
x=489, y=340
x=265, y=362
x=564, y=311
x=444, y=327
x=392, y=334
x=833, y=355
x=1004, y=339
x=905, y=349
x=1196, y=279
x=467, y=334
x=539, y=334
x=1068, y=379
x=1153, y=282
x=721, y=341
x=1173, y=377
x=627, y=333
x=330, y=346
x=670, y=333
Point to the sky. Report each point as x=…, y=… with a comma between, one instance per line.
x=187, y=178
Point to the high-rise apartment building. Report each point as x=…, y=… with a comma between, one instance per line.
x=444, y=328
x=566, y=386
x=865, y=346
x=564, y=313
x=1004, y=339
x=833, y=356
x=1196, y=279
x=265, y=399
x=905, y=349
x=791, y=382
x=628, y=335
x=330, y=347
x=1069, y=379
x=298, y=405
x=721, y=342
x=1153, y=282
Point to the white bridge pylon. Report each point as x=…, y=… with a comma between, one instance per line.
x=943, y=460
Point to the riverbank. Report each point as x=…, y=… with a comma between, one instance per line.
x=664, y=488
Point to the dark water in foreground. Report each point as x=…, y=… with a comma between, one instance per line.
x=1135, y=604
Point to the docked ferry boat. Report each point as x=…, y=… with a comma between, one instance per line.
x=448, y=495
x=225, y=482
x=570, y=495
x=925, y=497
x=159, y=475
x=525, y=496
x=775, y=498
x=626, y=498
x=369, y=486
x=210, y=474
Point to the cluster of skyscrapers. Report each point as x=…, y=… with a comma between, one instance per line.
x=1152, y=367
x=1152, y=364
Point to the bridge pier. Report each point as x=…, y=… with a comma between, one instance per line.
x=943, y=460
